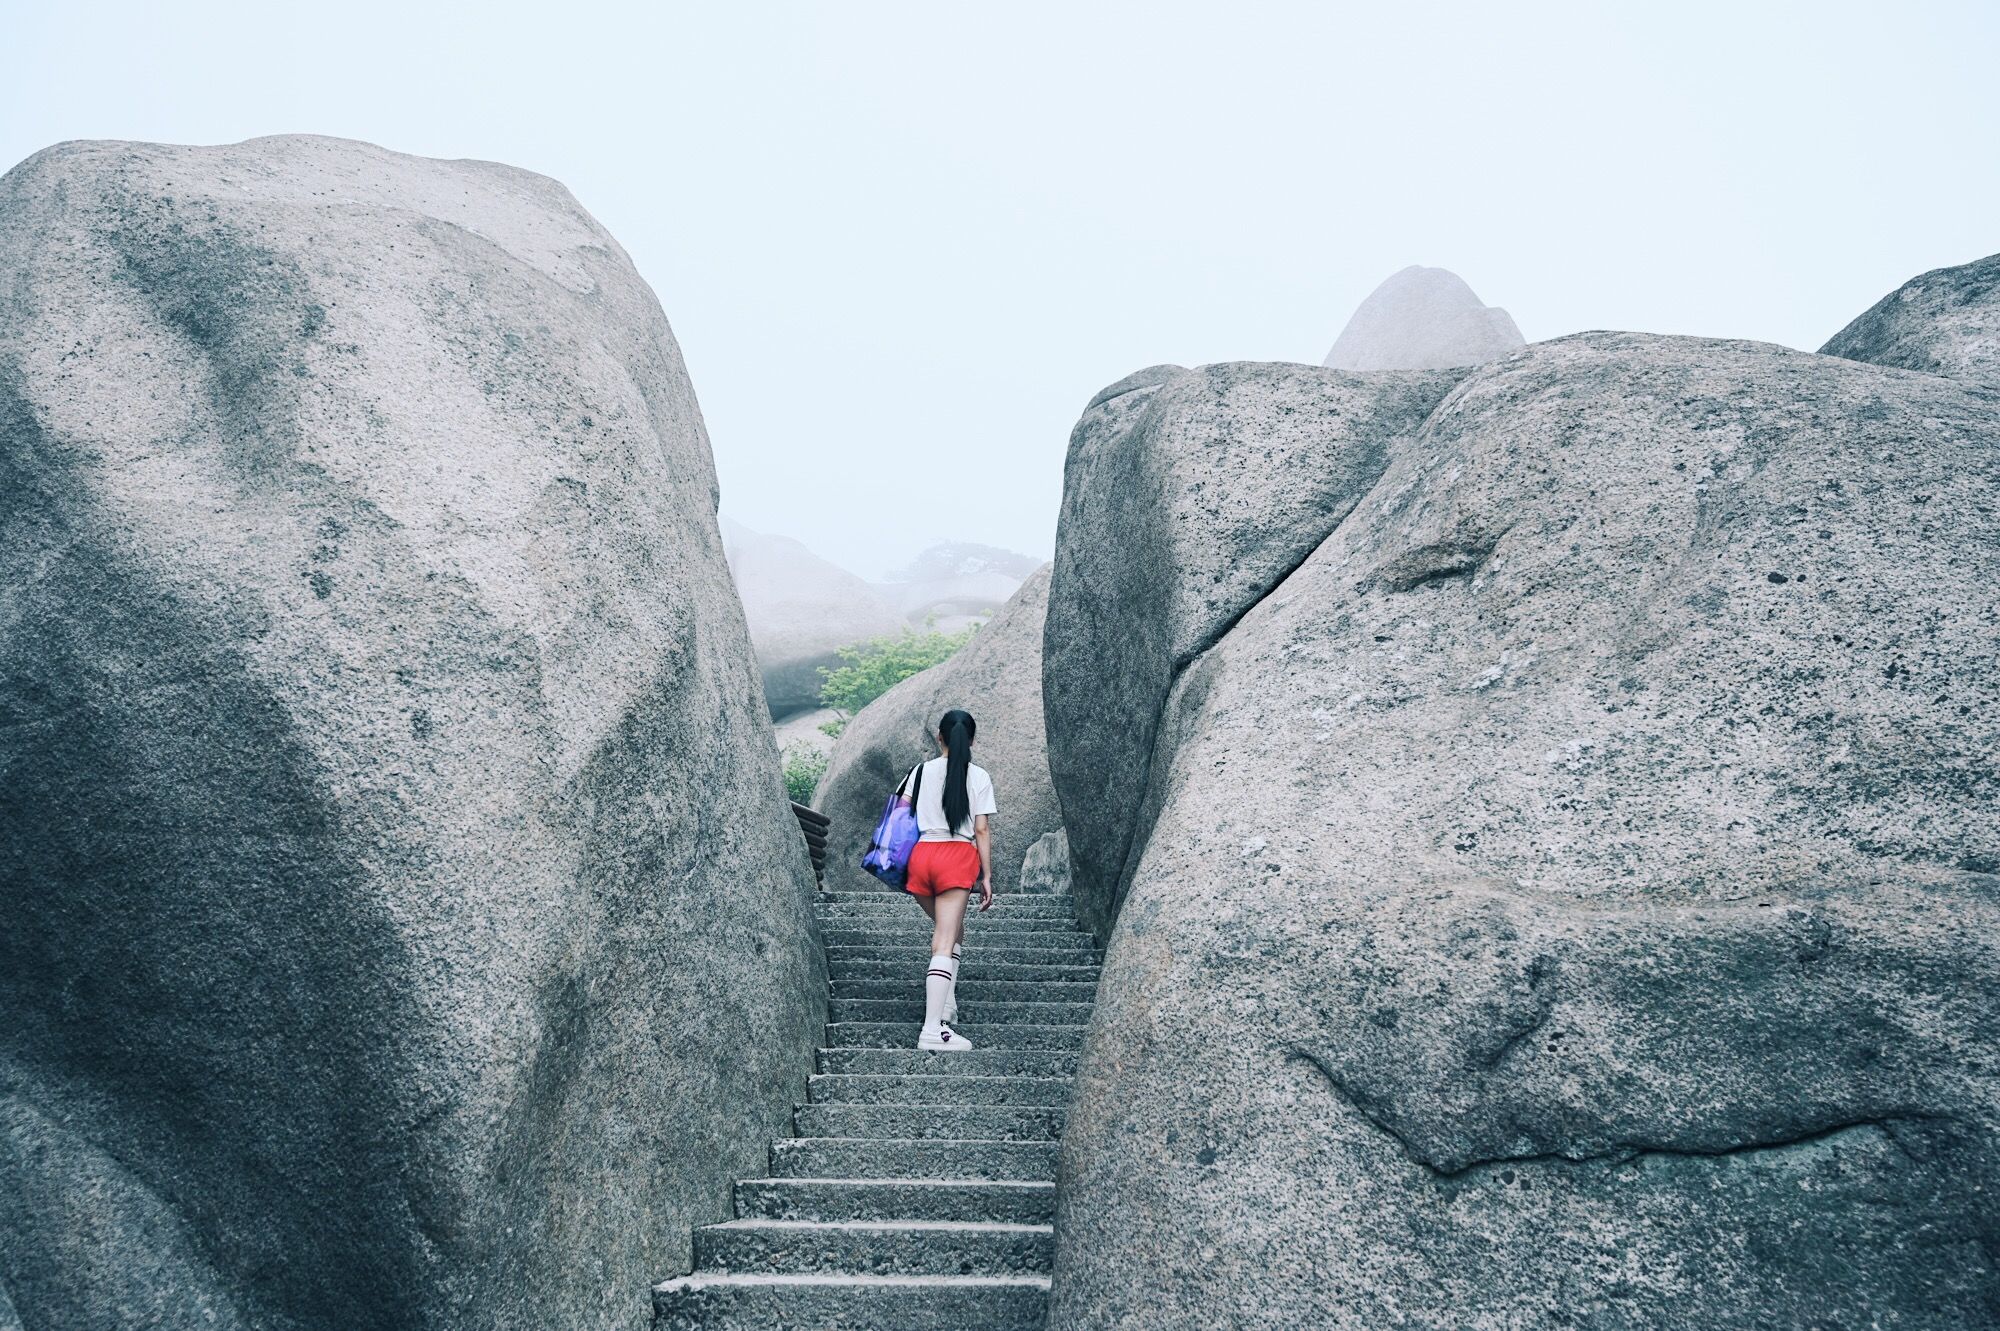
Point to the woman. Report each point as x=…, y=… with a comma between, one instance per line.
x=954, y=852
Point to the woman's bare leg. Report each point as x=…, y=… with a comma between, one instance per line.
x=947, y=912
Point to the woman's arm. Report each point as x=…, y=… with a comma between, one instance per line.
x=981, y=835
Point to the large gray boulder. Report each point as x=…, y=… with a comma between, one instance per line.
x=998, y=678
x=1946, y=322
x=1423, y=319
x=1569, y=897
x=1187, y=495
x=404, y=923
x=802, y=611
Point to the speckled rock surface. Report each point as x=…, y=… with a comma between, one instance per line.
x=371, y=683
x=1045, y=868
x=998, y=678
x=1423, y=319
x=1569, y=899
x=1946, y=322
x=1187, y=495
x=802, y=611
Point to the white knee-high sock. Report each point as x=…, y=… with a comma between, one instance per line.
x=937, y=990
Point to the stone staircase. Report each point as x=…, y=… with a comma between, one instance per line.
x=918, y=1189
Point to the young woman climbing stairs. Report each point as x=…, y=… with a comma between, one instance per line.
x=918, y=1189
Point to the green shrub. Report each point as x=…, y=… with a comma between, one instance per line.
x=831, y=729
x=803, y=770
x=878, y=665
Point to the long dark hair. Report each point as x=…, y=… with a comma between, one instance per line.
x=957, y=728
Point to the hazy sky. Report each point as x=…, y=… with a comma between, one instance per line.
x=902, y=244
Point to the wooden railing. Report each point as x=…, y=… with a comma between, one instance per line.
x=814, y=824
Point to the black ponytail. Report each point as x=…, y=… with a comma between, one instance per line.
x=957, y=728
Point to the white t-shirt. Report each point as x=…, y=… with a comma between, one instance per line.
x=930, y=800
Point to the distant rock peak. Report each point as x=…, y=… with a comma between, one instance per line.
x=1423, y=319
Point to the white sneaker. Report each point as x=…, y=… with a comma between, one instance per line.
x=946, y=1038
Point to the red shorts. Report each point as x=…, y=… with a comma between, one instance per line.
x=940, y=866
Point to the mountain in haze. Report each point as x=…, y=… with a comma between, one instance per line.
x=965, y=559
x=955, y=583
x=1423, y=319
x=802, y=609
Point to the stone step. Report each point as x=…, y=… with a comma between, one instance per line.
x=1060, y=953
x=1004, y=906
x=944, y=1247
x=825, y=1302
x=846, y=934
x=977, y=1063
x=903, y=1035
x=987, y=1013
x=971, y=989
x=1013, y=1123
x=1006, y=1201
x=1001, y=900
x=904, y=1157
x=978, y=968
x=916, y=927
x=836, y=1088
x=914, y=922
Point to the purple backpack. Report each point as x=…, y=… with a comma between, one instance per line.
x=888, y=856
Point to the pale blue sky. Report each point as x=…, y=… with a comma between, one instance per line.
x=902, y=244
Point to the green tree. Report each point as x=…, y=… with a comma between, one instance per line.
x=803, y=769
x=874, y=667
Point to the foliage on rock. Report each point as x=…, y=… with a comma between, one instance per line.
x=874, y=667
x=803, y=769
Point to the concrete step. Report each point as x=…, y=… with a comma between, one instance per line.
x=904, y=1157
x=983, y=1013
x=971, y=989
x=1005, y=1201
x=881, y=1248
x=978, y=968
x=903, y=1035
x=917, y=930
x=839, y=1088
x=977, y=1063
x=1013, y=1123
x=846, y=934
x=1001, y=900
x=816, y=1302
x=1005, y=906
x=1062, y=952
x=915, y=921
